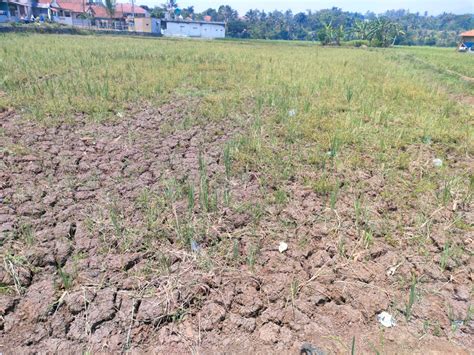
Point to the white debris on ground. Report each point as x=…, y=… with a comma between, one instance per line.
x=282, y=247
x=386, y=319
x=195, y=247
x=292, y=113
x=438, y=163
x=392, y=270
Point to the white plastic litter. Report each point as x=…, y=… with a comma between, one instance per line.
x=391, y=271
x=386, y=319
x=282, y=247
x=438, y=163
x=292, y=113
x=195, y=247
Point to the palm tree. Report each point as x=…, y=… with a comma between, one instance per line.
x=110, y=7
x=171, y=4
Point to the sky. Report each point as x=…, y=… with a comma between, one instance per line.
x=434, y=7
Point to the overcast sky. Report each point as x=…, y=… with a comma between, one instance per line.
x=432, y=6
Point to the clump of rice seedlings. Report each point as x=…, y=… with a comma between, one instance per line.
x=368, y=239
x=333, y=196
x=116, y=220
x=252, y=255
x=294, y=290
x=411, y=300
x=227, y=196
x=349, y=94
x=445, y=194
x=204, y=198
x=359, y=213
x=190, y=197
x=25, y=232
x=235, y=250
x=280, y=196
x=11, y=263
x=335, y=144
x=66, y=279
x=227, y=160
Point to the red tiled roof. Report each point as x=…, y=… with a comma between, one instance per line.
x=127, y=8
x=73, y=5
x=467, y=34
x=80, y=6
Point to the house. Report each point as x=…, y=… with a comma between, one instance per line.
x=467, y=41
x=4, y=13
x=145, y=24
x=14, y=10
x=70, y=12
x=185, y=28
x=42, y=9
x=94, y=13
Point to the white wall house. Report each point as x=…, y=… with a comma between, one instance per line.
x=201, y=29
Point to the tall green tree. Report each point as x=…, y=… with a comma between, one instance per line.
x=110, y=7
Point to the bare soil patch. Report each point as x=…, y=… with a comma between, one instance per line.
x=81, y=271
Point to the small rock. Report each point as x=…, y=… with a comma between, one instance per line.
x=79, y=301
x=461, y=293
x=211, y=315
x=151, y=310
x=33, y=168
x=269, y=333
x=102, y=309
x=247, y=324
x=308, y=349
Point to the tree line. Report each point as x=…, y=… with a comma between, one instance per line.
x=333, y=26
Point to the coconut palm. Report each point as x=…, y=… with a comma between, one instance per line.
x=110, y=7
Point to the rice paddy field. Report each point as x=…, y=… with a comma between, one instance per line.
x=188, y=196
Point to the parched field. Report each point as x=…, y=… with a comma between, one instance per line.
x=147, y=184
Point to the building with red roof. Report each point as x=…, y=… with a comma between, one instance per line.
x=94, y=13
x=96, y=10
x=69, y=11
x=467, y=41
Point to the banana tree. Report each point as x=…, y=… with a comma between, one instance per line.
x=361, y=29
x=383, y=32
x=326, y=34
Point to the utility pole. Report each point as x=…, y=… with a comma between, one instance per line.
x=133, y=14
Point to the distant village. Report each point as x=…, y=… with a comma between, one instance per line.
x=95, y=14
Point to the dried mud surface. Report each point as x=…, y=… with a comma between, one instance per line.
x=73, y=280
